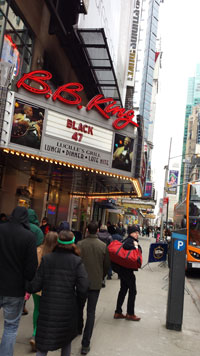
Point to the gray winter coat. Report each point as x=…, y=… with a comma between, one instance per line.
x=96, y=260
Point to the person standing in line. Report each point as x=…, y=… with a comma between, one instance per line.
x=48, y=246
x=34, y=227
x=64, y=225
x=109, y=227
x=45, y=227
x=63, y=280
x=121, y=229
x=3, y=218
x=114, y=231
x=127, y=279
x=97, y=262
x=18, y=263
x=105, y=237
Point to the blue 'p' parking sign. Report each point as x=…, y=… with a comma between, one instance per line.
x=179, y=245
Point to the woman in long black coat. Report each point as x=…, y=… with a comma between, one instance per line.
x=63, y=280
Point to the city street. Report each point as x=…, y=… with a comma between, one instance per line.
x=147, y=337
x=100, y=122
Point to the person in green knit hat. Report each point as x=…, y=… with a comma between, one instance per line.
x=34, y=226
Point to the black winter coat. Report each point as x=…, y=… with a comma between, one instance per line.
x=18, y=254
x=63, y=280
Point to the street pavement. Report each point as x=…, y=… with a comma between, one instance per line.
x=121, y=337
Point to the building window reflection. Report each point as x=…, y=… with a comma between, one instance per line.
x=16, y=40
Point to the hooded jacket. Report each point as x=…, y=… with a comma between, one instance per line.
x=18, y=255
x=104, y=236
x=34, y=226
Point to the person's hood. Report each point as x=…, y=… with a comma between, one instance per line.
x=32, y=217
x=20, y=216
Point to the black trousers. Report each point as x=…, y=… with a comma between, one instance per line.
x=127, y=284
x=92, y=300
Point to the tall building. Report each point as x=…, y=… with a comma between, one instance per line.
x=146, y=61
x=147, y=74
x=66, y=156
x=193, y=98
x=142, y=84
x=61, y=149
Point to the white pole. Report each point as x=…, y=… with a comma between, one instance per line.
x=165, y=189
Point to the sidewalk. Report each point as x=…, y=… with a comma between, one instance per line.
x=121, y=337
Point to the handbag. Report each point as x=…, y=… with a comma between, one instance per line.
x=125, y=258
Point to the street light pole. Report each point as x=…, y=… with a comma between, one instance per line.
x=165, y=189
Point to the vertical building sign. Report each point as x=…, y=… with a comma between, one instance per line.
x=148, y=190
x=133, y=44
x=172, y=182
x=10, y=53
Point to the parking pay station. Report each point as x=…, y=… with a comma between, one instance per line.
x=176, y=280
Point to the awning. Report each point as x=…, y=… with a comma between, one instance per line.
x=136, y=206
x=87, y=49
x=95, y=46
x=79, y=181
x=116, y=211
x=107, y=204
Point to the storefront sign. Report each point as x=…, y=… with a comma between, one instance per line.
x=51, y=209
x=157, y=252
x=64, y=127
x=34, y=128
x=74, y=153
x=148, y=190
x=133, y=44
x=110, y=108
x=10, y=53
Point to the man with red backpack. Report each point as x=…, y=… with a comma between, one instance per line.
x=127, y=278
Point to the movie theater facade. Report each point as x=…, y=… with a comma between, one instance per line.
x=64, y=159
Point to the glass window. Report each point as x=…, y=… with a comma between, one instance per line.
x=194, y=224
x=195, y=192
x=16, y=45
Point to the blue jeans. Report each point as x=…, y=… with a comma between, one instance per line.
x=12, y=310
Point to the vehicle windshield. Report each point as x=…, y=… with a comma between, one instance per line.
x=195, y=192
x=194, y=224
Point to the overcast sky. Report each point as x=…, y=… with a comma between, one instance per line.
x=180, y=32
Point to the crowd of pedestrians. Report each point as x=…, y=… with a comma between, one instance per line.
x=64, y=272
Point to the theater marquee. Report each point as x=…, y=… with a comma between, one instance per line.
x=65, y=133
x=74, y=130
